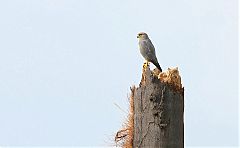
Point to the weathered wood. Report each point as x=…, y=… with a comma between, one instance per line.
x=158, y=114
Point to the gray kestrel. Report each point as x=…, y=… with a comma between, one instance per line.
x=147, y=49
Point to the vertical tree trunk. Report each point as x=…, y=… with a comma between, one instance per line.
x=158, y=114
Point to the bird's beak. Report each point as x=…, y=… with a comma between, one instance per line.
x=137, y=36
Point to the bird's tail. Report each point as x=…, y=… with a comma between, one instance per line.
x=157, y=65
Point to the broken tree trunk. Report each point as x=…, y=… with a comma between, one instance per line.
x=158, y=111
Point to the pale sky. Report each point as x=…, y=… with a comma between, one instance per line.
x=64, y=63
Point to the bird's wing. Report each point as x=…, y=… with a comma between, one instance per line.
x=149, y=48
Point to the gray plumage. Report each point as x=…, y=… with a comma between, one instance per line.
x=147, y=49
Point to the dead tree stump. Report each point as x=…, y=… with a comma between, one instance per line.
x=158, y=113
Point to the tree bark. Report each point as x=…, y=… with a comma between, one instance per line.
x=158, y=114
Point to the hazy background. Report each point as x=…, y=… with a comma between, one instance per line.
x=64, y=63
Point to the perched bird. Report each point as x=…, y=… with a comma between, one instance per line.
x=147, y=49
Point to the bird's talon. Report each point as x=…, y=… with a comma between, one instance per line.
x=145, y=65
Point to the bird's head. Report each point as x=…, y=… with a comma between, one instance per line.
x=142, y=35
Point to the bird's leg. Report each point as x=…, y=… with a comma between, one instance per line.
x=146, y=64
